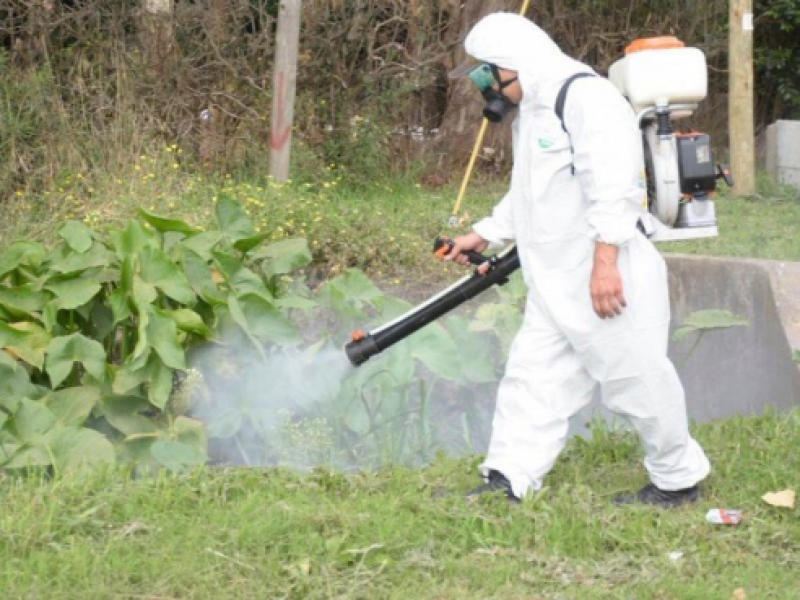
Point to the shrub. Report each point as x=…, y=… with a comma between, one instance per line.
x=96, y=330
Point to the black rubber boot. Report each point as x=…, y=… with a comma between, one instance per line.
x=497, y=483
x=650, y=494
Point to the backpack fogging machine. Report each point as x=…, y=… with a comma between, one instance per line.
x=665, y=81
x=364, y=345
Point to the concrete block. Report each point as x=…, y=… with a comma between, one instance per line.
x=783, y=152
x=741, y=370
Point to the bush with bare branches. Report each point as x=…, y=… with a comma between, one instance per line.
x=88, y=84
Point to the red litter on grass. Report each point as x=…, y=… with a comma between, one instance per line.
x=724, y=516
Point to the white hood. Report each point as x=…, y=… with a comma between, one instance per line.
x=513, y=42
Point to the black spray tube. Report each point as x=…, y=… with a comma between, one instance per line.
x=365, y=345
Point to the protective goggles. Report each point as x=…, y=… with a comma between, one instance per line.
x=485, y=75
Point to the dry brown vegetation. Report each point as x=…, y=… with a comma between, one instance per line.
x=86, y=84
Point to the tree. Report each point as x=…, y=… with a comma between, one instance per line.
x=777, y=54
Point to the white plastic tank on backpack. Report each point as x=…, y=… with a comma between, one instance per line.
x=661, y=71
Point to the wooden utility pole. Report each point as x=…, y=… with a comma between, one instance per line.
x=740, y=97
x=158, y=37
x=284, y=81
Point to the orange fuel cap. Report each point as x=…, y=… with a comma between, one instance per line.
x=663, y=42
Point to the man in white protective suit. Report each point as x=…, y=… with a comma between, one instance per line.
x=597, y=312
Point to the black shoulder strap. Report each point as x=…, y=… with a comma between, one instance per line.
x=562, y=96
x=561, y=99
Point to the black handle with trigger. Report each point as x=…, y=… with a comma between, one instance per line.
x=443, y=245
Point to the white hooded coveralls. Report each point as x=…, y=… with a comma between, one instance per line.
x=564, y=350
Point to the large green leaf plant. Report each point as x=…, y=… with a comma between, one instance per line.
x=94, y=334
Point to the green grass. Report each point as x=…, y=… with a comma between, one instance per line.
x=401, y=533
x=386, y=228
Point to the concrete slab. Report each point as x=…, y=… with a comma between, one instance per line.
x=741, y=370
x=783, y=152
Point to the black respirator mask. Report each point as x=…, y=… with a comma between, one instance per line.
x=484, y=76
